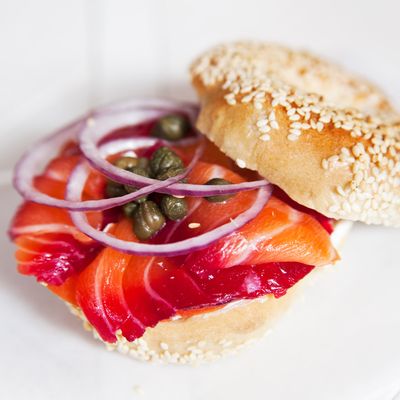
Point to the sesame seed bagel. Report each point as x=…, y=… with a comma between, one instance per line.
x=329, y=139
x=203, y=337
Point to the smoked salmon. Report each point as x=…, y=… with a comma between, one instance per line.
x=125, y=293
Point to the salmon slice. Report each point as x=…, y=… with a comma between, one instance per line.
x=204, y=215
x=279, y=233
x=53, y=257
x=128, y=293
x=99, y=291
x=49, y=246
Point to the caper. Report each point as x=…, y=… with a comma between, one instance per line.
x=148, y=220
x=114, y=189
x=129, y=163
x=218, y=198
x=130, y=208
x=126, y=162
x=162, y=159
x=173, y=208
x=169, y=173
x=143, y=162
x=171, y=127
x=130, y=189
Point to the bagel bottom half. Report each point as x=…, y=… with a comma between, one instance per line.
x=210, y=335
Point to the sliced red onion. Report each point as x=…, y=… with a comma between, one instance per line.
x=34, y=160
x=24, y=183
x=74, y=193
x=101, y=124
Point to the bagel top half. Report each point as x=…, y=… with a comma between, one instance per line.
x=330, y=140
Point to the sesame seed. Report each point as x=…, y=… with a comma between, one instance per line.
x=194, y=225
x=296, y=132
x=240, y=163
x=345, y=151
x=296, y=125
x=334, y=208
x=272, y=116
x=319, y=126
x=347, y=207
x=262, y=122
x=274, y=124
x=265, y=138
x=340, y=190
x=164, y=346
x=247, y=99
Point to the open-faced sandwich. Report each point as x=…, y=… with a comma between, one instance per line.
x=180, y=232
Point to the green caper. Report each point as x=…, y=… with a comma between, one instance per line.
x=222, y=197
x=148, y=220
x=171, y=127
x=126, y=162
x=143, y=162
x=129, y=163
x=114, y=189
x=169, y=173
x=129, y=209
x=162, y=159
x=130, y=189
x=173, y=208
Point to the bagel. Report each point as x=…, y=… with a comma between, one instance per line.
x=330, y=140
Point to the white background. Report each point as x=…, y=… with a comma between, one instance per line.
x=57, y=59
x=60, y=57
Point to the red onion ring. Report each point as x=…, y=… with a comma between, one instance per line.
x=102, y=123
x=27, y=167
x=32, y=194
x=74, y=193
x=32, y=160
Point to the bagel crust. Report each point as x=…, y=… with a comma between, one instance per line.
x=330, y=140
x=203, y=337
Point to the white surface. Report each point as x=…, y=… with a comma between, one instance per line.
x=341, y=341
